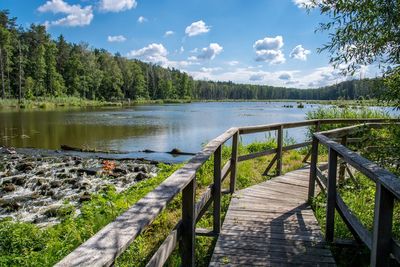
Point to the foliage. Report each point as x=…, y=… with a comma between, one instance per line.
x=24, y=244
x=362, y=33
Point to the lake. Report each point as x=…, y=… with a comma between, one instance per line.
x=155, y=127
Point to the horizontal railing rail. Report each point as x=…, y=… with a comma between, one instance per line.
x=104, y=247
x=380, y=241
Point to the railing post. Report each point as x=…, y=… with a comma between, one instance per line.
x=217, y=190
x=342, y=168
x=313, y=169
x=234, y=159
x=382, y=232
x=279, y=151
x=331, y=198
x=188, y=224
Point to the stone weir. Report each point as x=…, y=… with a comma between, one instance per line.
x=37, y=187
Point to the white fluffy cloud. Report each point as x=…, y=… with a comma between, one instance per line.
x=305, y=3
x=210, y=52
x=269, y=50
x=142, y=19
x=168, y=33
x=75, y=14
x=233, y=63
x=300, y=53
x=155, y=53
x=117, y=5
x=196, y=28
x=116, y=39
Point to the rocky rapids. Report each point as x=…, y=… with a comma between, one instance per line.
x=33, y=188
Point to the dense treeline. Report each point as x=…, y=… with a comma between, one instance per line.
x=32, y=65
x=354, y=89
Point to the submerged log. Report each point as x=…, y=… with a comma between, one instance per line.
x=77, y=149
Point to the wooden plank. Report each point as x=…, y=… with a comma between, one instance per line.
x=382, y=232
x=166, y=248
x=331, y=198
x=270, y=224
x=271, y=163
x=313, y=169
x=105, y=246
x=257, y=154
x=187, y=244
x=234, y=161
x=354, y=225
x=279, y=151
x=217, y=190
x=272, y=151
x=225, y=170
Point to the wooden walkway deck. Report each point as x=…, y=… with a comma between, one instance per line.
x=270, y=224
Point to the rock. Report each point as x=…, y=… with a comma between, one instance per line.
x=26, y=166
x=140, y=168
x=120, y=171
x=8, y=187
x=19, y=180
x=91, y=171
x=63, y=175
x=58, y=196
x=52, y=210
x=45, y=187
x=141, y=176
x=55, y=183
x=85, y=197
x=40, y=172
x=11, y=206
x=41, y=181
x=71, y=181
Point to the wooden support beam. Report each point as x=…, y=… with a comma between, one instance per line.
x=234, y=161
x=279, y=153
x=382, y=234
x=187, y=244
x=272, y=162
x=217, y=190
x=313, y=169
x=331, y=198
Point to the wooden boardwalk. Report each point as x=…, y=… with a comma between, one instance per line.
x=270, y=224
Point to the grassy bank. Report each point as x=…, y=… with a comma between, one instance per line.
x=24, y=244
x=379, y=145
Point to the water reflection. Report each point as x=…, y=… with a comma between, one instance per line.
x=155, y=127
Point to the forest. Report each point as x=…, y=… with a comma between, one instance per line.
x=33, y=64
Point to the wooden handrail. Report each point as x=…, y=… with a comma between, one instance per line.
x=380, y=241
x=105, y=246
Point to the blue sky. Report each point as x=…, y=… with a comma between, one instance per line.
x=248, y=41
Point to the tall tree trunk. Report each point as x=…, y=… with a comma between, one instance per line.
x=2, y=74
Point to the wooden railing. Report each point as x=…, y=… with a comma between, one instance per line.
x=380, y=241
x=104, y=247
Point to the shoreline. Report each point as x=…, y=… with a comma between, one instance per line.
x=73, y=102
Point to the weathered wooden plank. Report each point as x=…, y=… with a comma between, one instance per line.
x=354, y=225
x=270, y=224
x=217, y=190
x=187, y=242
x=382, y=232
x=166, y=248
x=234, y=161
x=331, y=198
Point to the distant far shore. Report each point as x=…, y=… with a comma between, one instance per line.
x=71, y=102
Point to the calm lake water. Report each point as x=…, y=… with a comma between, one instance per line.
x=155, y=127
